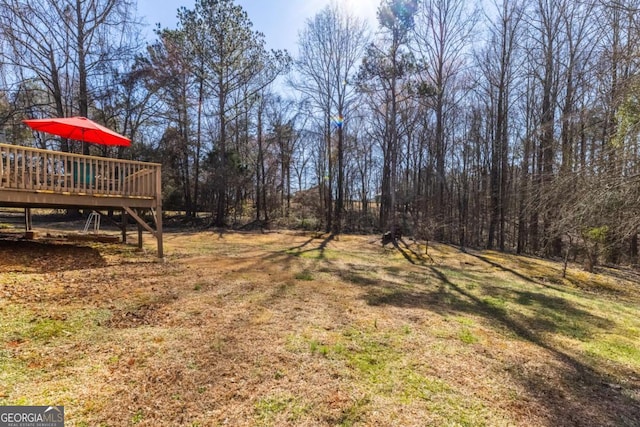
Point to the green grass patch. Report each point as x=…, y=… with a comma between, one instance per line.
x=378, y=366
x=354, y=412
x=571, y=326
x=12, y=371
x=383, y=369
x=467, y=337
x=615, y=348
x=317, y=348
x=304, y=275
x=25, y=333
x=268, y=410
x=46, y=329
x=138, y=417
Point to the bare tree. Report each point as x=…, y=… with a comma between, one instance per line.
x=171, y=80
x=442, y=37
x=331, y=45
x=66, y=57
x=499, y=64
x=383, y=77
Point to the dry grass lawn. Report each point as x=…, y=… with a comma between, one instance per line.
x=283, y=328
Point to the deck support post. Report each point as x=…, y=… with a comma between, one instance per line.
x=158, y=212
x=123, y=226
x=28, y=223
x=142, y=224
x=139, y=236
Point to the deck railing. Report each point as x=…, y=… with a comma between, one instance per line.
x=32, y=169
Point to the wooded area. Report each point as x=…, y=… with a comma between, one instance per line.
x=515, y=127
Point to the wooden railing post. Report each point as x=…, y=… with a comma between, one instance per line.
x=158, y=196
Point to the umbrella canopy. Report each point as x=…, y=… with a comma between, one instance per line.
x=79, y=129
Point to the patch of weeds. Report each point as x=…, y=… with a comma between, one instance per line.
x=419, y=386
x=464, y=320
x=296, y=343
x=22, y=401
x=455, y=273
x=304, y=275
x=374, y=356
x=454, y=410
x=46, y=328
x=317, y=347
x=381, y=368
x=494, y=303
x=16, y=322
x=137, y=417
x=12, y=371
x=524, y=298
x=372, y=361
x=632, y=332
x=570, y=326
x=467, y=337
x=352, y=414
x=269, y=408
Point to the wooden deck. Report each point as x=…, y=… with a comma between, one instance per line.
x=34, y=178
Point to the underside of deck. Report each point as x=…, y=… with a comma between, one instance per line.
x=34, y=178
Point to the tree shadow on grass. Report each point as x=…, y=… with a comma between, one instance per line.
x=613, y=292
x=302, y=249
x=579, y=394
x=553, y=314
x=410, y=255
x=508, y=270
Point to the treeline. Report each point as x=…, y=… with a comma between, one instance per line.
x=514, y=127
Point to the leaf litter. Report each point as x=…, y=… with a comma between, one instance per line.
x=288, y=328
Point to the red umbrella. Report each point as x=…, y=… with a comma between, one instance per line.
x=80, y=129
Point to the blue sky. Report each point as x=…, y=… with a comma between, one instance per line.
x=279, y=20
